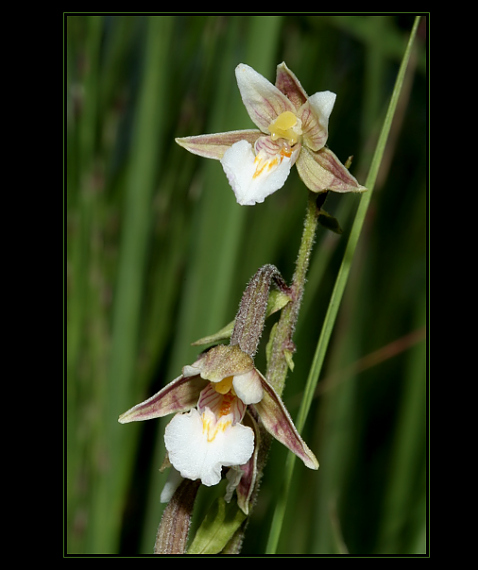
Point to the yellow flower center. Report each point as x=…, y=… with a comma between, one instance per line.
x=286, y=126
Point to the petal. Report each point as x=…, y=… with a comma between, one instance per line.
x=322, y=103
x=248, y=387
x=215, y=145
x=322, y=170
x=195, y=457
x=178, y=396
x=209, y=398
x=314, y=115
x=288, y=83
x=278, y=423
x=191, y=370
x=242, y=173
x=221, y=404
x=263, y=101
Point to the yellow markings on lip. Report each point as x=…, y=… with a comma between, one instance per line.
x=212, y=431
x=273, y=163
x=270, y=163
x=286, y=151
x=211, y=423
x=226, y=404
x=261, y=163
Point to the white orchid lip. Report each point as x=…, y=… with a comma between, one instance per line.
x=210, y=437
x=199, y=445
x=254, y=176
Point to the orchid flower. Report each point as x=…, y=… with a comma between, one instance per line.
x=293, y=129
x=211, y=399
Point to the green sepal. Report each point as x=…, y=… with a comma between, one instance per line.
x=220, y=523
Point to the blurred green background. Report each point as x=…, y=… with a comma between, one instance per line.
x=158, y=254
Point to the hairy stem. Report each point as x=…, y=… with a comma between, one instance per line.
x=173, y=530
x=282, y=345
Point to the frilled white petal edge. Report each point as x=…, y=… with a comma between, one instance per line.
x=250, y=183
x=195, y=457
x=248, y=387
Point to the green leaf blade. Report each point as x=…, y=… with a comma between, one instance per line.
x=217, y=528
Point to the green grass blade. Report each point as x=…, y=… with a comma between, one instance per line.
x=109, y=487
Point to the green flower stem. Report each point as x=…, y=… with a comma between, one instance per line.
x=282, y=346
